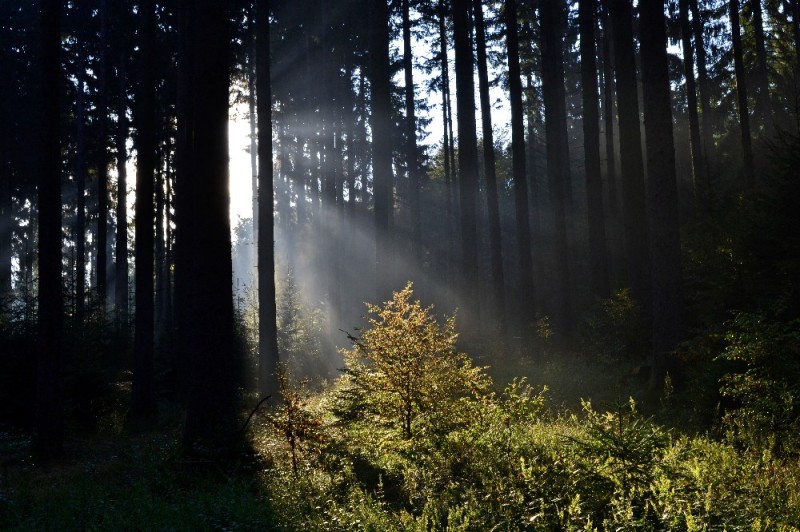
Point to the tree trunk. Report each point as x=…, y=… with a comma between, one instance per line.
x=741, y=93
x=211, y=401
x=699, y=170
x=662, y=189
x=467, y=157
x=634, y=202
x=557, y=156
x=609, y=117
x=251, y=102
x=706, y=131
x=143, y=392
x=48, y=433
x=412, y=159
x=6, y=219
x=121, y=251
x=763, y=105
x=267, y=328
x=527, y=290
x=449, y=167
x=381, y=146
x=591, y=148
x=101, y=266
x=495, y=236
x=80, y=193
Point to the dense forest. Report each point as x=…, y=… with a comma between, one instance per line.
x=518, y=264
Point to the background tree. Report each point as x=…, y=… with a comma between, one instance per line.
x=267, y=332
x=49, y=427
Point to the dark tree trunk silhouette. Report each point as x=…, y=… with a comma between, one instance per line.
x=267, y=328
x=741, y=94
x=662, y=188
x=447, y=144
x=526, y=292
x=699, y=171
x=412, y=159
x=495, y=236
x=101, y=265
x=211, y=398
x=591, y=148
x=609, y=116
x=6, y=218
x=557, y=155
x=251, y=102
x=48, y=432
x=81, y=170
x=382, y=180
x=763, y=105
x=704, y=86
x=143, y=392
x=467, y=154
x=634, y=203
x=121, y=246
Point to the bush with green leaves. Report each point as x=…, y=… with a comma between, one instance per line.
x=764, y=385
x=615, y=331
x=404, y=372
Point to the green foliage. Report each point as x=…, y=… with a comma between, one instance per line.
x=293, y=418
x=300, y=330
x=404, y=371
x=765, y=382
x=615, y=332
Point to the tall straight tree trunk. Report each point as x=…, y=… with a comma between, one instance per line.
x=609, y=114
x=381, y=145
x=143, y=392
x=704, y=86
x=267, y=323
x=591, y=148
x=159, y=243
x=527, y=291
x=634, y=201
x=6, y=218
x=412, y=159
x=495, y=236
x=741, y=93
x=699, y=172
x=48, y=433
x=101, y=266
x=763, y=105
x=557, y=155
x=467, y=155
x=449, y=167
x=251, y=102
x=121, y=246
x=80, y=193
x=211, y=401
x=662, y=188
x=796, y=27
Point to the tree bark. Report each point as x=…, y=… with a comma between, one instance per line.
x=699, y=171
x=609, y=116
x=211, y=405
x=634, y=201
x=382, y=180
x=763, y=104
x=143, y=392
x=412, y=158
x=101, y=266
x=557, y=156
x=495, y=236
x=704, y=85
x=741, y=94
x=467, y=156
x=49, y=427
x=121, y=251
x=267, y=322
x=527, y=289
x=591, y=149
x=80, y=193
x=662, y=189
